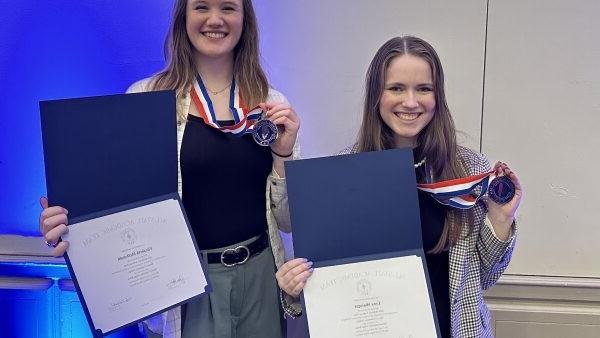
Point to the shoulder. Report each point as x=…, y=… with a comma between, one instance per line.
x=474, y=162
x=140, y=86
x=351, y=149
x=276, y=96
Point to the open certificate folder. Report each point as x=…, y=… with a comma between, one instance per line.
x=356, y=217
x=112, y=162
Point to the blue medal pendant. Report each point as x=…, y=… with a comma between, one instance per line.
x=264, y=132
x=501, y=190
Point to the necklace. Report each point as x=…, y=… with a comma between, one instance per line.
x=218, y=91
x=420, y=162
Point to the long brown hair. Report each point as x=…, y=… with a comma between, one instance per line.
x=180, y=72
x=436, y=142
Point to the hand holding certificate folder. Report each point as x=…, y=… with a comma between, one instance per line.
x=357, y=218
x=112, y=162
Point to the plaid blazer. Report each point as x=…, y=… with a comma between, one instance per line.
x=476, y=261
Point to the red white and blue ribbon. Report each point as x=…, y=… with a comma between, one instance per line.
x=459, y=192
x=243, y=118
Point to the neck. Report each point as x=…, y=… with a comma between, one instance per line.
x=403, y=142
x=215, y=72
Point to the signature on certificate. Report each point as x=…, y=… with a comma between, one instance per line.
x=116, y=305
x=176, y=282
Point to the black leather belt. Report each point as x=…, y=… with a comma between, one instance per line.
x=240, y=254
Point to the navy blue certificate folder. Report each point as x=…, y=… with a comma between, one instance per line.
x=356, y=207
x=109, y=154
x=89, y=144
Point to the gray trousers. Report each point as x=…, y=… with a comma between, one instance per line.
x=244, y=302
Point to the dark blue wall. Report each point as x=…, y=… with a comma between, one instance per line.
x=49, y=50
x=59, y=49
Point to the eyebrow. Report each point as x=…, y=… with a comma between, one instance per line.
x=403, y=84
x=229, y=3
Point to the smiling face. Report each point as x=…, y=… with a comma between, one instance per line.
x=407, y=103
x=214, y=27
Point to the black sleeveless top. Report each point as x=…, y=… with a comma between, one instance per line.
x=433, y=216
x=223, y=184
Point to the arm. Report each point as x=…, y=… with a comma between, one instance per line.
x=277, y=195
x=283, y=115
x=494, y=254
x=497, y=232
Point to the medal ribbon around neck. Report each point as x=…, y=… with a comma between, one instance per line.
x=458, y=193
x=244, y=118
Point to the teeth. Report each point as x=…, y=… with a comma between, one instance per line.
x=214, y=35
x=408, y=116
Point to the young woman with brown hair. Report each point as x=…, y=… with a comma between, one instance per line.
x=225, y=178
x=467, y=249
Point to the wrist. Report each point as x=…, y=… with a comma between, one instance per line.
x=501, y=222
x=282, y=155
x=502, y=228
x=290, y=309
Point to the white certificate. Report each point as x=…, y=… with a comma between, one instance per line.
x=134, y=263
x=381, y=298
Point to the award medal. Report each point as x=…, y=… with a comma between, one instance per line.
x=264, y=132
x=501, y=190
x=246, y=121
x=462, y=192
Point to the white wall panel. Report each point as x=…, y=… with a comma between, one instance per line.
x=541, y=115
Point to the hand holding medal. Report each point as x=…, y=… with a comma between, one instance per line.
x=287, y=123
x=501, y=190
x=264, y=131
x=505, y=193
x=461, y=192
x=271, y=124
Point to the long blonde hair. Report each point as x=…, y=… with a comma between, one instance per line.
x=436, y=142
x=180, y=72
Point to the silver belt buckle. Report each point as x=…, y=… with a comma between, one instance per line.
x=235, y=250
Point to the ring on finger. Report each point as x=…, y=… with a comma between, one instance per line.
x=50, y=244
